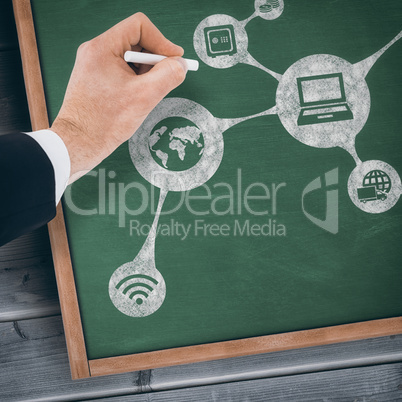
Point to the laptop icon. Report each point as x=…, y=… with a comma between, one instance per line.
x=322, y=99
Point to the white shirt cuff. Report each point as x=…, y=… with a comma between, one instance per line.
x=57, y=152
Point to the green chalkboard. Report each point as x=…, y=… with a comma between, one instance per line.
x=288, y=220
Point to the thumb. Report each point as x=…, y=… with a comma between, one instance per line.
x=164, y=77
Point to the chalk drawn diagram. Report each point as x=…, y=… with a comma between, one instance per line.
x=322, y=101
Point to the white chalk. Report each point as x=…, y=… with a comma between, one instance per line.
x=148, y=58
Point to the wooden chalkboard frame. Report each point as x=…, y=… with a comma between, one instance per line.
x=81, y=366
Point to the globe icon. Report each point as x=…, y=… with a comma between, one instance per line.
x=379, y=179
x=176, y=144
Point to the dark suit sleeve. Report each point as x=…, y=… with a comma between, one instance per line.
x=27, y=186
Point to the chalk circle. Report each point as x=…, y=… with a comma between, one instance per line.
x=269, y=9
x=328, y=134
x=193, y=177
x=221, y=41
x=151, y=292
x=374, y=186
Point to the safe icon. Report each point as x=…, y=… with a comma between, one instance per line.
x=220, y=40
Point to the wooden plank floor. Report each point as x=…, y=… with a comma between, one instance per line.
x=33, y=358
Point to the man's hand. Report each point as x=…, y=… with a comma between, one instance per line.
x=106, y=99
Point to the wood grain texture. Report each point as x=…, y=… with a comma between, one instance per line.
x=34, y=365
x=248, y=346
x=376, y=383
x=27, y=281
x=33, y=356
x=68, y=297
x=13, y=105
x=57, y=230
x=286, y=363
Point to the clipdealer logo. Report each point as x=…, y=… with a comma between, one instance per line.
x=331, y=221
x=235, y=199
x=252, y=207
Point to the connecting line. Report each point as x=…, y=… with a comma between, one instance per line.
x=253, y=62
x=364, y=66
x=247, y=20
x=225, y=124
x=162, y=197
x=149, y=244
x=351, y=149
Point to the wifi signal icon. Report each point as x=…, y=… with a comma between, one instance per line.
x=137, y=288
x=140, y=289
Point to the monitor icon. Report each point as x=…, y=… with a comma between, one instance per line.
x=322, y=99
x=220, y=40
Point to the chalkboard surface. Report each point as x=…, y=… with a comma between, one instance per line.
x=279, y=235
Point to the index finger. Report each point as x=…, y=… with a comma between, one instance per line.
x=139, y=30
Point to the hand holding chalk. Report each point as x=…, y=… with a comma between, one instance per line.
x=152, y=59
x=106, y=101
